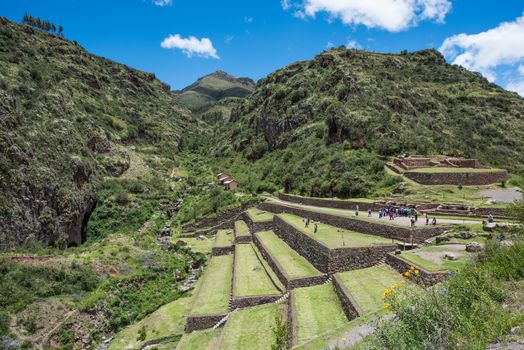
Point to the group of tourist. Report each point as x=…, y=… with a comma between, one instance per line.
x=394, y=212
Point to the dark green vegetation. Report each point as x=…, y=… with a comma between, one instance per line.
x=22, y=284
x=72, y=119
x=320, y=127
x=213, y=95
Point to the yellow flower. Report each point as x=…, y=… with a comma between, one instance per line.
x=387, y=305
x=417, y=272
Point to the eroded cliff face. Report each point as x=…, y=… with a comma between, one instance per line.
x=67, y=120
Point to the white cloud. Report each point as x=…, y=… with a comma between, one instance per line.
x=353, y=44
x=483, y=52
x=191, y=46
x=391, y=15
x=163, y=3
x=517, y=86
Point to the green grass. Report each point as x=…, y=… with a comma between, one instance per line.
x=224, y=238
x=251, y=278
x=269, y=270
x=214, y=290
x=293, y=263
x=318, y=311
x=166, y=321
x=199, y=245
x=334, y=237
x=250, y=329
x=241, y=229
x=258, y=215
x=201, y=340
x=443, y=264
x=356, y=200
x=439, y=170
x=366, y=285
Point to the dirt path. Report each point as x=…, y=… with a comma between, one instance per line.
x=403, y=221
x=41, y=340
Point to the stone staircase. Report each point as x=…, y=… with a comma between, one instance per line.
x=224, y=320
x=283, y=298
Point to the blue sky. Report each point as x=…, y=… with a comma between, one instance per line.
x=253, y=38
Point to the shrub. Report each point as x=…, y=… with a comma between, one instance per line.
x=282, y=333
x=465, y=312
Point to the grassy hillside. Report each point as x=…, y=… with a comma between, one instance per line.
x=214, y=94
x=67, y=120
x=322, y=126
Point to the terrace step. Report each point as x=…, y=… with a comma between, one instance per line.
x=223, y=320
x=283, y=298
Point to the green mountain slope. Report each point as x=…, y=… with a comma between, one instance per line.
x=68, y=119
x=212, y=94
x=321, y=126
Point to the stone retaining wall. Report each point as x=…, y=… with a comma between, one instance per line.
x=328, y=203
x=243, y=239
x=292, y=319
x=369, y=227
x=249, y=301
x=195, y=323
x=345, y=259
x=349, y=305
x=223, y=220
x=288, y=282
x=222, y=250
x=253, y=300
x=425, y=278
x=325, y=259
x=257, y=226
x=465, y=179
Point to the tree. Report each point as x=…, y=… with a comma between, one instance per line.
x=60, y=30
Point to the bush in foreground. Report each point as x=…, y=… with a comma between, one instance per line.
x=466, y=312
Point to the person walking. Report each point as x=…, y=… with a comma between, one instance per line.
x=315, y=228
x=434, y=221
x=356, y=212
x=427, y=219
x=412, y=222
x=369, y=213
x=305, y=222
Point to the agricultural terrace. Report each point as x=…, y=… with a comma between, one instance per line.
x=213, y=293
x=257, y=215
x=167, y=321
x=250, y=329
x=294, y=265
x=250, y=276
x=367, y=285
x=433, y=258
x=205, y=340
x=241, y=229
x=442, y=170
x=318, y=310
x=224, y=238
x=334, y=237
x=200, y=244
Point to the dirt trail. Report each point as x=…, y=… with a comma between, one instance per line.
x=41, y=340
x=398, y=221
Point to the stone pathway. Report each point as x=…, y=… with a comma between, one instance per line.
x=363, y=214
x=503, y=195
x=356, y=334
